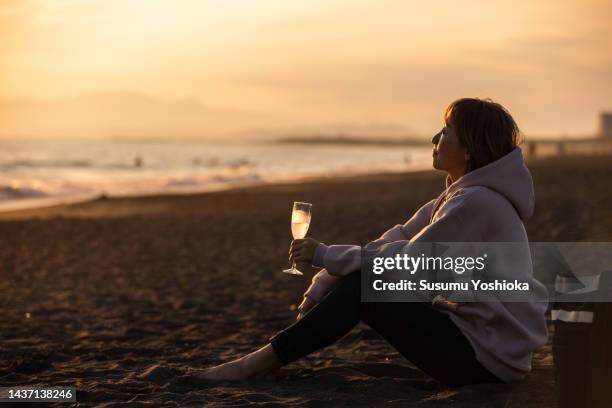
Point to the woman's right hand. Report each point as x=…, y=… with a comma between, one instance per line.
x=303, y=250
x=305, y=306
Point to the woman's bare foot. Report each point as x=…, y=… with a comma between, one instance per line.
x=262, y=360
x=233, y=370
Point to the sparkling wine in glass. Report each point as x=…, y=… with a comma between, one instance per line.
x=300, y=221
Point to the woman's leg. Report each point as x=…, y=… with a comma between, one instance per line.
x=323, y=325
x=426, y=337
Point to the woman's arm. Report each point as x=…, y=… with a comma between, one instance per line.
x=340, y=260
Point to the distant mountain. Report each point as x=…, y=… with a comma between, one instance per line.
x=342, y=139
x=133, y=115
x=120, y=115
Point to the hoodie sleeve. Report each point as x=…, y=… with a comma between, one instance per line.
x=340, y=260
x=410, y=228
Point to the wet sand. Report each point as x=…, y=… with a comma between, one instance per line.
x=118, y=297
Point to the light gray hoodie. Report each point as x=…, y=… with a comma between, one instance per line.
x=488, y=204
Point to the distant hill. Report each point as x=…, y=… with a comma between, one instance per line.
x=120, y=115
x=132, y=115
x=352, y=140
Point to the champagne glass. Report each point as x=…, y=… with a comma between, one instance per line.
x=300, y=221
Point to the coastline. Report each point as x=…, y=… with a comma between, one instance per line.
x=431, y=179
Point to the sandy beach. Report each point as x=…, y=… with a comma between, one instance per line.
x=119, y=297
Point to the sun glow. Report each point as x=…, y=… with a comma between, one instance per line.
x=319, y=64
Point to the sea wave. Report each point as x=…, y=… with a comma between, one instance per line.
x=13, y=164
x=46, y=171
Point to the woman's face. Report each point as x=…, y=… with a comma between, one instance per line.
x=448, y=154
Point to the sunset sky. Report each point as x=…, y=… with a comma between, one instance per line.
x=257, y=67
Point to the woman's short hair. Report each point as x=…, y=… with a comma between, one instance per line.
x=485, y=128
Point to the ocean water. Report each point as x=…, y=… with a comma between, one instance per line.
x=35, y=173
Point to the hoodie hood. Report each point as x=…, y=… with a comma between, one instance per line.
x=507, y=176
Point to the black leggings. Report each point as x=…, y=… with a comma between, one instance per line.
x=426, y=337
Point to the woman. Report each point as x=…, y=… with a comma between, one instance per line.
x=489, y=192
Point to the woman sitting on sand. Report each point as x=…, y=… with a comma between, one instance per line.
x=489, y=192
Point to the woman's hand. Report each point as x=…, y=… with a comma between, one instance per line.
x=303, y=250
x=305, y=306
